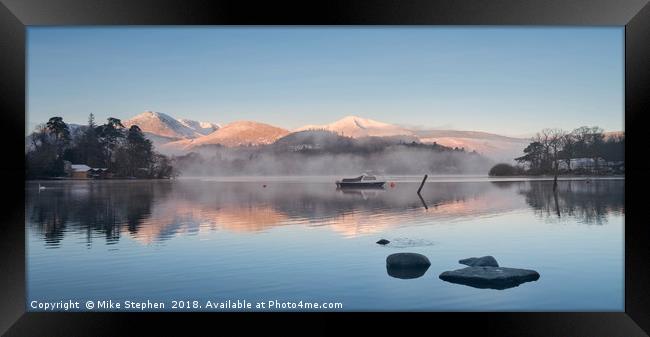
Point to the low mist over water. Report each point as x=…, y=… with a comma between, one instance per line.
x=404, y=159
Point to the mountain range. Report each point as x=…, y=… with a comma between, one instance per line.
x=240, y=133
x=357, y=127
x=176, y=136
x=165, y=126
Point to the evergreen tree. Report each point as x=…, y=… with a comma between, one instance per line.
x=59, y=129
x=139, y=151
x=89, y=147
x=42, y=159
x=110, y=136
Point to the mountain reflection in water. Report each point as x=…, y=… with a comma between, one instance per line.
x=153, y=211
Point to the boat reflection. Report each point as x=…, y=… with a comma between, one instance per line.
x=365, y=193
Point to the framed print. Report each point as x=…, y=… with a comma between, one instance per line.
x=426, y=163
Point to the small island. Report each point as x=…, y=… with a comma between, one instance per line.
x=108, y=151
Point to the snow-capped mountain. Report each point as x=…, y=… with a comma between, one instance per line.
x=357, y=127
x=204, y=128
x=171, y=135
x=238, y=133
x=492, y=145
x=162, y=125
x=179, y=135
x=497, y=147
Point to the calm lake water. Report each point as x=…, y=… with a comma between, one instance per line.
x=301, y=239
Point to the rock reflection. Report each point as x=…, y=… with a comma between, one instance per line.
x=407, y=273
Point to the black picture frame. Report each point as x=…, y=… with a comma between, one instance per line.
x=15, y=15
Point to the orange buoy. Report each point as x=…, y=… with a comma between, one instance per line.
x=392, y=184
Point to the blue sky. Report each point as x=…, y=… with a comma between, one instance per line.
x=507, y=80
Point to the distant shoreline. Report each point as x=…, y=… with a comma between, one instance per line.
x=330, y=178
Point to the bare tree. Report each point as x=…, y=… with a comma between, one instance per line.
x=568, y=149
x=553, y=141
x=542, y=138
x=588, y=141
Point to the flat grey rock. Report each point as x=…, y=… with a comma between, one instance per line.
x=407, y=265
x=485, y=261
x=490, y=277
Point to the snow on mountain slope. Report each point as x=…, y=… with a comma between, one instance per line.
x=161, y=124
x=239, y=133
x=159, y=141
x=500, y=150
x=491, y=145
x=204, y=128
x=422, y=134
x=614, y=134
x=353, y=126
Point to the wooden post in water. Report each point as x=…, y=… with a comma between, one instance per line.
x=423, y=202
x=422, y=184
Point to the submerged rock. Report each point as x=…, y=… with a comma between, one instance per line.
x=410, y=243
x=485, y=261
x=490, y=277
x=383, y=242
x=407, y=265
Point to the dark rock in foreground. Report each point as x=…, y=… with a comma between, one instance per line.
x=490, y=277
x=407, y=260
x=383, y=242
x=485, y=261
x=407, y=265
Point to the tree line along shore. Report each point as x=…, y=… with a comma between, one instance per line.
x=583, y=151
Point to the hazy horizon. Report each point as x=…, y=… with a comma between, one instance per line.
x=503, y=80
